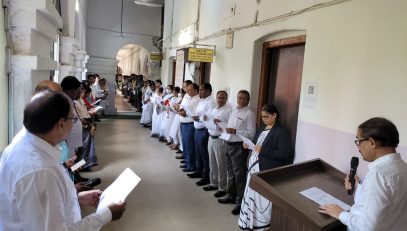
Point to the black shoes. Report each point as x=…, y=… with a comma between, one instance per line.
x=227, y=200
x=194, y=175
x=179, y=151
x=219, y=194
x=188, y=170
x=93, y=182
x=182, y=161
x=180, y=157
x=236, y=210
x=210, y=188
x=183, y=166
x=79, y=178
x=202, y=182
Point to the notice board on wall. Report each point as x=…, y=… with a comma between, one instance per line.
x=179, y=68
x=200, y=55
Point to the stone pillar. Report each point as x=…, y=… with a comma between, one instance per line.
x=106, y=68
x=33, y=31
x=73, y=60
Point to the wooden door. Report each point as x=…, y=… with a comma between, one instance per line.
x=174, y=66
x=280, y=82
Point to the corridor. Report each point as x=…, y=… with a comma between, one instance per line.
x=165, y=199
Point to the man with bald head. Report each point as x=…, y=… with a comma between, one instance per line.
x=47, y=85
x=35, y=191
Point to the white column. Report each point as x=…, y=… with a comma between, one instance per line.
x=106, y=68
x=33, y=32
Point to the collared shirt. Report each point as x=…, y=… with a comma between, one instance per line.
x=191, y=102
x=381, y=200
x=81, y=109
x=222, y=114
x=35, y=191
x=203, y=108
x=74, y=139
x=244, y=121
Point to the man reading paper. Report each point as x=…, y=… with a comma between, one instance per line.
x=35, y=191
x=381, y=199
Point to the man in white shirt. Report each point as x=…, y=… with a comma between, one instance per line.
x=242, y=121
x=188, y=107
x=35, y=191
x=201, y=136
x=217, y=146
x=381, y=199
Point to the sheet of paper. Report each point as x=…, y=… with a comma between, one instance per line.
x=119, y=189
x=225, y=136
x=97, y=108
x=322, y=198
x=188, y=110
x=247, y=141
x=78, y=165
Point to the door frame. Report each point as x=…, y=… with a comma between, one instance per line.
x=265, y=69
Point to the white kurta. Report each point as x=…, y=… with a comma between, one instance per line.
x=35, y=191
x=146, y=115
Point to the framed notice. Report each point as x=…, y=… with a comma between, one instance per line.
x=200, y=55
x=179, y=68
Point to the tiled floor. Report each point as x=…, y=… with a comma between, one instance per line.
x=165, y=199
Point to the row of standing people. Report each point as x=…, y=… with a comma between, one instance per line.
x=209, y=130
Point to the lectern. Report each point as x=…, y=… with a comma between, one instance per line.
x=292, y=211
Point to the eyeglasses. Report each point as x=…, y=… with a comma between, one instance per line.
x=357, y=142
x=74, y=119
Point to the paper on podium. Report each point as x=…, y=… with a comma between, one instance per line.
x=247, y=141
x=322, y=198
x=119, y=189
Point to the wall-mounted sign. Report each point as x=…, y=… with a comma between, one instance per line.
x=156, y=56
x=200, y=55
x=179, y=68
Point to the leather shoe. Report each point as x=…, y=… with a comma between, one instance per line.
x=182, y=162
x=79, y=178
x=219, y=194
x=227, y=200
x=210, y=188
x=179, y=151
x=183, y=166
x=194, y=175
x=202, y=182
x=180, y=157
x=188, y=170
x=236, y=210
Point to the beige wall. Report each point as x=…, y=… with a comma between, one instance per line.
x=355, y=51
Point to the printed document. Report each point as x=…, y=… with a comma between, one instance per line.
x=322, y=198
x=247, y=141
x=119, y=189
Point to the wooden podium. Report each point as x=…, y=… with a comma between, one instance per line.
x=293, y=211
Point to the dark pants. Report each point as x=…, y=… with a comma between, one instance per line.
x=188, y=144
x=201, y=150
x=236, y=158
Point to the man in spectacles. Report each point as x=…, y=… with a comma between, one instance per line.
x=35, y=191
x=381, y=200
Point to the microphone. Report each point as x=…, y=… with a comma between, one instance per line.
x=352, y=173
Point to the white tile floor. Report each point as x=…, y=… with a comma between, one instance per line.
x=165, y=199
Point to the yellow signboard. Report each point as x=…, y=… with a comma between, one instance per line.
x=200, y=55
x=156, y=56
